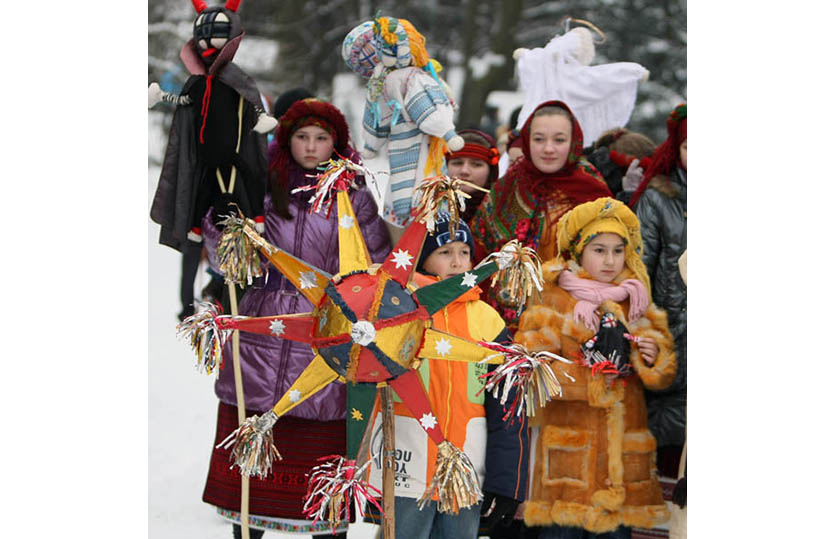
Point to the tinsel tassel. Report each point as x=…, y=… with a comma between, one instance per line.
x=336, y=175
x=519, y=275
x=237, y=250
x=207, y=331
x=252, y=445
x=437, y=193
x=455, y=481
x=336, y=484
x=529, y=373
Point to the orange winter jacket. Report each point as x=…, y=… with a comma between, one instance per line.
x=469, y=418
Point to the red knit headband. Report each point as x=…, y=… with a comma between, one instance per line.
x=304, y=121
x=476, y=151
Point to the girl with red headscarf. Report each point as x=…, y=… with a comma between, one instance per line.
x=528, y=201
x=660, y=203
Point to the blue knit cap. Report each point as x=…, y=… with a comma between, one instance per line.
x=441, y=237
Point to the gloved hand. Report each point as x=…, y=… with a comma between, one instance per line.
x=680, y=492
x=634, y=175
x=503, y=507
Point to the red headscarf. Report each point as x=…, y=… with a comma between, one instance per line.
x=578, y=180
x=310, y=111
x=667, y=156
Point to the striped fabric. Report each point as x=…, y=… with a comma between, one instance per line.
x=423, y=110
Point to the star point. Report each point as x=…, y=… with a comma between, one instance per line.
x=356, y=414
x=295, y=395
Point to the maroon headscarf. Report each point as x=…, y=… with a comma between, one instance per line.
x=667, y=156
x=310, y=111
x=578, y=180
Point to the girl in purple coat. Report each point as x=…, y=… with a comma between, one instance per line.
x=308, y=133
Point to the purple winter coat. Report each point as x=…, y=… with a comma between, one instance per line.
x=269, y=364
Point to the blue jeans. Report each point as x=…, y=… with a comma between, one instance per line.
x=412, y=523
x=570, y=532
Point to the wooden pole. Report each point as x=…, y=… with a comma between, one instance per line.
x=239, y=394
x=387, y=407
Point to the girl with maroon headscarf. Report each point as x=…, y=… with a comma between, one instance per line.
x=660, y=203
x=309, y=132
x=527, y=202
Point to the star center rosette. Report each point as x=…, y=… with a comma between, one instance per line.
x=371, y=326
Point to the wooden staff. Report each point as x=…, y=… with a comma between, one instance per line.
x=387, y=407
x=239, y=395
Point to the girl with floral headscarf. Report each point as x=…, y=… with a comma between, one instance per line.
x=528, y=201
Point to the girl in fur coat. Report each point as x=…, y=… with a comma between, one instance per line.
x=594, y=457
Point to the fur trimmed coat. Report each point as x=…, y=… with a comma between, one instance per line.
x=594, y=458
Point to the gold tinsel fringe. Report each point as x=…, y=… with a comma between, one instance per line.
x=455, y=481
x=519, y=275
x=253, y=450
x=237, y=251
x=441, y=193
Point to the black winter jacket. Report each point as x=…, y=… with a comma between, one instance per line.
x=662, y=211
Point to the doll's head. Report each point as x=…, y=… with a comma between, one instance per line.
x=398, y=43
x=551, y=137
x=444, y=255
x=477, y=162
x=604, y=237
x=358, y=50
x=215, y=26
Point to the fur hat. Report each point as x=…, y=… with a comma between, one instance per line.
x=441, y=237
x=299, y=113
x=586, y=221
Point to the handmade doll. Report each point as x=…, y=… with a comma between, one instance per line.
x=216, y=152
x=407, y=107
x=601, y=96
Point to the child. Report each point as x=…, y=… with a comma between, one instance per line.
x=527, y=202
x=594, y=458
x=311, y=131
x=470, y=420
x=477, y=162
x=661, y=205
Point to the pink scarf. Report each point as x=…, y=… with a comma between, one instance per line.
x=590, y=294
